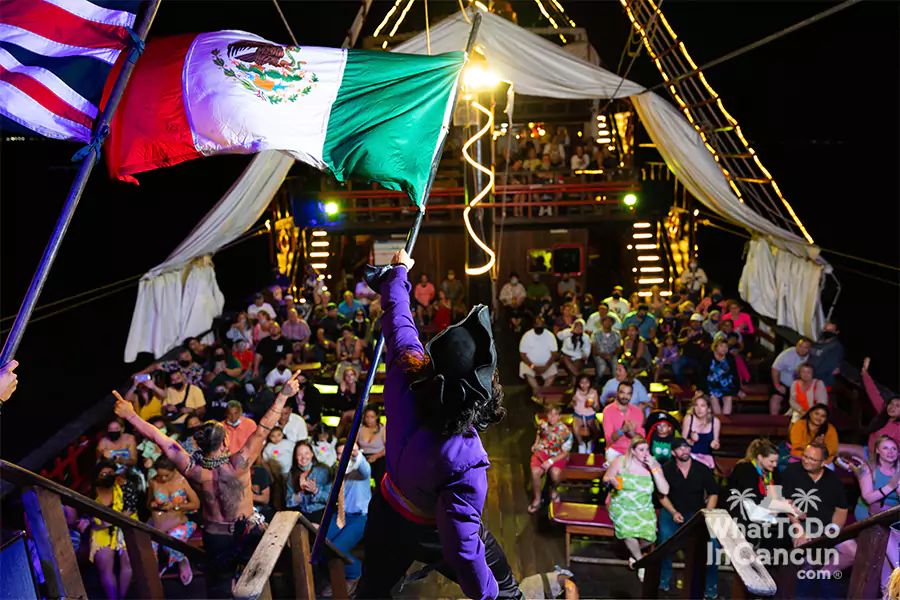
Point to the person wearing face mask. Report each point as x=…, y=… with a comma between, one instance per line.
x=617, y=303
x=512, y=297
x=224, y=369
x=148, y=451
x=191, y=426
x=146, y=403
x=453, y=288
x=715, y=301
x=538, y=351
x=693, y=278
x=280, y=374
x=360, y=326
x=190, y=371
x=181, y=398
x=108, y=541
x=238, y=428
x=826, y=355
x=117, y=446
x=309, y=483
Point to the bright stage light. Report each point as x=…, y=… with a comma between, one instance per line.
x=630, y=199
x=477, y=78
x=331, y=208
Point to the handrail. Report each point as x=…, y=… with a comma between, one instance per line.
x=676, y=541
x=334, y=550
x=885, y=518
x=599, y=186
x=23, y=477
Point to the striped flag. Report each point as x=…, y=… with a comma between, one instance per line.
x=55, y=59
x=367, y=114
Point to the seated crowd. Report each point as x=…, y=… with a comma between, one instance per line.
x=662, y=466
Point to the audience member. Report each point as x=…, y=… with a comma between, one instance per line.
x=550, y=453
x=661, y=427
x=147, y=451
x=887, y=422
x=736, y=349
x=806, y=392
x=712, y=321
x=512, y=297
x=349, y=352
x=878, y=480
x=308, y=401
x=117, y=447
x=292, y=425
x=814, y=428
x=656, y=302
x=238, y=428
x=538, y=352
x=532, y=162
x=635, y=350
x=595, y=319
x=240, y=329
x=346, y=530
x=278, y=452
x=279, y=375
x=554, y=584
x=667, y=324
x=643, y=320
x=371, y=443
x=743, y=324
x=286, y=308
x=693, y=279
x=295, y=328
x=585, y=426
x=190, y=370
x=260, y=305
x=633, y=478
x=309, y=483
x=108, y=541
x=244, y=355
x=784, y=372
x=347, y=398
x=579, y=161
x=223, y=369
x=566, y=285
x=170, y=498
x=565, y=318
x=824, y=516
x=453, y=289
x=701, y=429
x=588, y=307
x=692, y=488
x=261, y=329
x=714, y=302
x=364, y=294
x=718, y=377
x=423, y=294
x=616, y=303
x=145, y=402
x=826, y=355
x=606, y=347
x=261, y=488
x=191, y=425
x=443, y=312
x=537, y=291
x=330, y=326
x=270, y=351
x=639, y=396
x=576, y=348
x=324, y=443
x=668, y=353
x=360, y=325
x=622, y=423
x=348, y=306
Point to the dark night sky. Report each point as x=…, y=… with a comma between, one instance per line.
x=819, y=106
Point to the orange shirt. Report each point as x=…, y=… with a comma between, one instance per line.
x=801, y=438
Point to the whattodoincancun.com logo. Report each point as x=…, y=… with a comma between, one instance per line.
x=763, y=523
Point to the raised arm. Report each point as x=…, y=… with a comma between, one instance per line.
x=397, y=324
x=871, y=389
x=170, y=447
x=247, y=455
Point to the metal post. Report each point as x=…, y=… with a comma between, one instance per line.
x=331, y=504
x=65, y=218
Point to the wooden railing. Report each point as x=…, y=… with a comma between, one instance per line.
x=43, y=500
x=693, y=537
x=871, y=537
x=290, y=526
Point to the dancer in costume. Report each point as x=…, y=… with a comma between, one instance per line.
x=436, y=399
x=232, y=526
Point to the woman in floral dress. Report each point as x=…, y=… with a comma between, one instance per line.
x=633, y=478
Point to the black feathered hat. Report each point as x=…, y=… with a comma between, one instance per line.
x=660, y=416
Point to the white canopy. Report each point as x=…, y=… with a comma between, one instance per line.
x=781, y=278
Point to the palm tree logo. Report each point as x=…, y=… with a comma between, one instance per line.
x=804, y=500
x=736, y=499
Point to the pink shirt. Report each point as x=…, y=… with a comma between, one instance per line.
x=743, y=324
x=580, y=400
x=424, y=293
x=892, y=429
x=613, y=419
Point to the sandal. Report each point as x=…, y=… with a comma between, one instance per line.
x=534, y=507
x=554, y=496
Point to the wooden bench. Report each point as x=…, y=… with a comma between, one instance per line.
x=581, y=519
x=744, y=425
x=584, y=467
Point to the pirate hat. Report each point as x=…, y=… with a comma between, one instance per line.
x=464, y=359
x=659, y=416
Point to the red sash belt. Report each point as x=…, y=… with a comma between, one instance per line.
x=401, y=504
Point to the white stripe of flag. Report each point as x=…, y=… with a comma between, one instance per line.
x=16, y=105
x=97, y=14
x=51, y=82
x=44, y=47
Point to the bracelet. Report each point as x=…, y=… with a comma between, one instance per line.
x=619, y=431
x=653, y=471
x=264, y=427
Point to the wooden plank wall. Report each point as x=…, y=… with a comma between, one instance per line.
x=516, y=244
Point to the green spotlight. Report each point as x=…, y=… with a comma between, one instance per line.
x=630, y=199
x=331, y=208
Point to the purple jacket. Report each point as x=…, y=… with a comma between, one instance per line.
x=443, y=477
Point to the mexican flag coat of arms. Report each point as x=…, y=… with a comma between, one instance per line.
x=370, y=114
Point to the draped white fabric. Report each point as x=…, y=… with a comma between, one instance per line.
x=781, y=278
x=180, y=298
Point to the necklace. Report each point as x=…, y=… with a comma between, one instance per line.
x=197, y=458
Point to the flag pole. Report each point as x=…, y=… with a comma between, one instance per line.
x=331, y=504
x=91, y=156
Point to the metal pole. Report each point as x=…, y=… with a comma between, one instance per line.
x=65, y=218
x=331, y=504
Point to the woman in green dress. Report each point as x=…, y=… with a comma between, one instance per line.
x=633, y=478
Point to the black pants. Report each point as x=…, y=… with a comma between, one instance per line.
x=392, y=543
x=224, y=553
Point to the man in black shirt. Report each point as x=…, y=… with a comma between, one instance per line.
x=819, y=494
x=691, y=488
x=270, y=350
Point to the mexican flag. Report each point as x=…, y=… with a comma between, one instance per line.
x=368, y=114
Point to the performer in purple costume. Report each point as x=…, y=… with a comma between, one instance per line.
x=437, y=399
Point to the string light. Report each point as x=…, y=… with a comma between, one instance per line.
x=733, y=122
x=387, y=17
x=402, y=16
x=481, y=194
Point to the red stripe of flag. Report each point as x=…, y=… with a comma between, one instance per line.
x=41, y=94
x=51, y=22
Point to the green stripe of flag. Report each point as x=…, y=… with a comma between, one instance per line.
x=385, y=124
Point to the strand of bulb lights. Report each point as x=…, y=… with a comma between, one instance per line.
x=481, y=194
x=387, y=18
x=713, y=94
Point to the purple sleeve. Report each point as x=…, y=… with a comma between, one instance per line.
x=458, y=513
x=400, y=333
